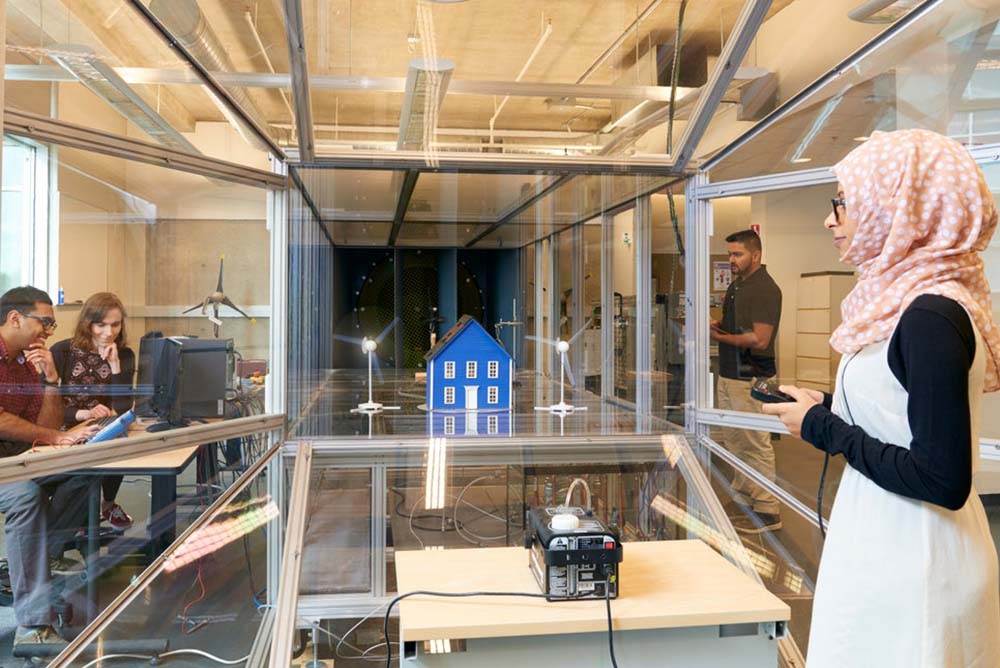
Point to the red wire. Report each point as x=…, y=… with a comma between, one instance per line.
x=187, y=607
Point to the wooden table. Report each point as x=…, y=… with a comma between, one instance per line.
x=681, y=604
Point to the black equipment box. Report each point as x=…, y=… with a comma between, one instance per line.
x=574, y=564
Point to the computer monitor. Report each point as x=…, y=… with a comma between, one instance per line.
x=182, y=378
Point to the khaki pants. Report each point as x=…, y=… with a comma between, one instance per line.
x=752, y=447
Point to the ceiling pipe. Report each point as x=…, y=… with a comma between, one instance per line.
x=188, y=26
x=520, y=75
x=619, y=40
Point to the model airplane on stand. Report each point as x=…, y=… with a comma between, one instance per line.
x=368, y=347
x=562, y=347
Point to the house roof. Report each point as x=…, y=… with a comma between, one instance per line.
x=453, y=333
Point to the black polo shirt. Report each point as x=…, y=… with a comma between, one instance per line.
x=756, y=298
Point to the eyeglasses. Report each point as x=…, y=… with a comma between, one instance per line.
x=838, y=204
x=48, y=323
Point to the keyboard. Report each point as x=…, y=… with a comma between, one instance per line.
x=105, y=421
x=116, y=427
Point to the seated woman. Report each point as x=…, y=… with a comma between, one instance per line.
x=96, y=368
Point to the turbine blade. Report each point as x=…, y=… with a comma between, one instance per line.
x=347, y=339
x=221, y=259
x=377, y=366
x=569, y=370
x=541, y=339
x=579, y=332
x=228, y=302
x=193, y=308
x=385, y=332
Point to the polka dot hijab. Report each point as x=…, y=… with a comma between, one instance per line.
x=924, y=213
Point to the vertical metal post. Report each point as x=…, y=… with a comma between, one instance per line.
x=607, y=306
x=379, y=555
x=696, y=347
x=275, y=391
x=397, y=306
x=643, y=305
x=552, y=329
x=577, y=315
x=275, y=537
x=539, y=270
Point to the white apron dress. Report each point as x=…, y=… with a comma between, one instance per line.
x=902, y=582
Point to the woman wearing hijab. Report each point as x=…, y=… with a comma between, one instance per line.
x=908, y=575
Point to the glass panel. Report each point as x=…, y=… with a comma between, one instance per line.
x=359, y=234
x=650, y=489
x=990, y=427
x=352, y=194
x=623, y=273
x=210, y=596
x=937, y=74
x=432, y=234
x=18, y=224
x=469, y=198
x=668, y=317
x=100, y=65
x=361, y=58
x=592, y=354
x=528, y=279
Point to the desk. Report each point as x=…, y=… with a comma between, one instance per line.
x=681, y=603
x=163, y=469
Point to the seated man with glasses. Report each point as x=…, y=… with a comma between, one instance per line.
x=41, y=515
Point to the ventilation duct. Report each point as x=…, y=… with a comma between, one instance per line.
x=103, y=81
x=188, y=26
x=426, y=85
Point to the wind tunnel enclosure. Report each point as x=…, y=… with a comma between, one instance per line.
x=414, y=163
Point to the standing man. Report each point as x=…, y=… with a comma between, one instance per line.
x=41, y=515
x=746, y=334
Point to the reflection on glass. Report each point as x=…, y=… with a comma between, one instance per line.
x=624, y=305
x=936, y=74
x=668, y=315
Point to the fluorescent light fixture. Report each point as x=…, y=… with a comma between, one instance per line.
x=862, y=138
x=102, y=80
x=426, y=85
x=436, y=468
x=882, y=12
x=624, y=118
x=800, y=161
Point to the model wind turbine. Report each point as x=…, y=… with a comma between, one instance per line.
x=562, y=347
x=368, y=347
x=216, y=299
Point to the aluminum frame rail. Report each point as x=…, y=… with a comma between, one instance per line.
x=744, y=32
x=50, y=461
x=286, y=602
x=206, y=77
x=296, y=36
x=45, y=129
x=146, y=578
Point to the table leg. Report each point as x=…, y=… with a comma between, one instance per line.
x=163, y=514
x=93, y=543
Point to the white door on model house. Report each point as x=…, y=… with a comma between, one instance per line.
x=471, y=397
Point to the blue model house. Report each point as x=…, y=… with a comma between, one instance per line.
x=467, y=370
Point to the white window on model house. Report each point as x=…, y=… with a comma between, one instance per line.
x=449, y=369
x=449, y=395
x=492, y=424
x=493, y=395
x=494, y=369
x=470, y=369
x=449, y=425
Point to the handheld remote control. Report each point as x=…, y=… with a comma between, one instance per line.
x=767, y=392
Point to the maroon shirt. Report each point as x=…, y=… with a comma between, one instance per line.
x=21, y=390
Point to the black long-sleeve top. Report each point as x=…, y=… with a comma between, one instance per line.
x=86, y=389
x=930, y=354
